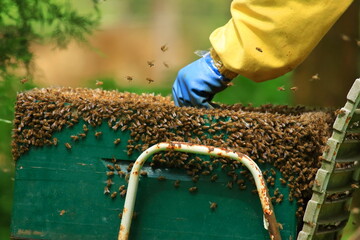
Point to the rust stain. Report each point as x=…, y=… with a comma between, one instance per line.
x=124, y=210
x=135, y=172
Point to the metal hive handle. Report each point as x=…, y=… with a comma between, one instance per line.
x=269, y=214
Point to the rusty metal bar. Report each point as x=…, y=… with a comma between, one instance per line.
x=269, y=214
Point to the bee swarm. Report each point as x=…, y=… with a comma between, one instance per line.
x=291, y=139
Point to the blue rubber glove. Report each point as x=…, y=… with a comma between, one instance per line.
x=197, y=83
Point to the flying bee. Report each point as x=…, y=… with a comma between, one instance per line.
x=117, y=141
x=67, y=145
x=151, y=63
x=164, y=48
x=99, y=83
x=150, y=80
x=213, y=205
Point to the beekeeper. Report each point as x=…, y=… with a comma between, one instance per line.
x=263, y=40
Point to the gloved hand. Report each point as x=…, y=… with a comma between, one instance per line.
x=197, y=83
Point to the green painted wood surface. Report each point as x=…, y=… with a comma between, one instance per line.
x=59, y=195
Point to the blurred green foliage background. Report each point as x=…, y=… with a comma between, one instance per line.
x=75, y=21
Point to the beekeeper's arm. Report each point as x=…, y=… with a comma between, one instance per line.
x=263, y=40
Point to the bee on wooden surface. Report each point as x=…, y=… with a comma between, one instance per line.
x=164, y=48
x=68, y=146
x=129, y=78
x=193, y=189
x=151, y=63
x=213, y=205
x=150, y=80
x=165, y=64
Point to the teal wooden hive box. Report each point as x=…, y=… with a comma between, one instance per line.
x=74, y=149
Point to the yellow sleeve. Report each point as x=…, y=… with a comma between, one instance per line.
x=265, y=39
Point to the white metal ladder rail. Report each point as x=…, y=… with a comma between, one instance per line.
x=325, y=217
x=269, y=214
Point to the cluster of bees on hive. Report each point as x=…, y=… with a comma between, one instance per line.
x=290, y=139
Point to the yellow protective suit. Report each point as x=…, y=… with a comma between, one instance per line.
x=265, y=39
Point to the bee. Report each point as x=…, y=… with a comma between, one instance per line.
x=345, y=38
x=283, y=181
x=151, y=63
x=67, y=145
x=230, y=84
x=85, y=128
x=106, y=190
x=99, y=83
x=281, y=88
x=213, y=205
x=55, y=141
x=123, y=193
x=117, y=141
x=117, y=167
x=315, y=77
x=74, y=137
x=98, y=134
x=129, y=78
x=161, y=178
x=294, y=89
x=121, y=188
x=193, y=189
x=150, y=80
x=24, y=80
x=259, y=49
x=110, y=167
x=195, y=178
x=109, y=182
x=214, y=178
x=113, y=195
x=121, y=173
x=82, y=135
x=143, y=173
x=166, y=65
x=62, y=212
x=229, y=184
x=164, y=48
x=177, y=183
x=109, y=174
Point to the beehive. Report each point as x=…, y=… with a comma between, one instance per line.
x=78, y=139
